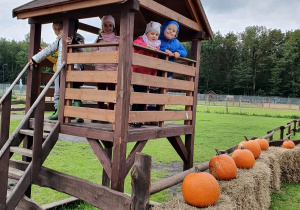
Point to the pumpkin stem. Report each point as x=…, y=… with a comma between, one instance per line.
x=246, y=138
x=218, y=152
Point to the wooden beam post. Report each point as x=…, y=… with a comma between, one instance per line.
x=5, y=122
x=69, y=27
x=38, y=139
x=141, y=181
x=33, y=81
x=123, y=95
x=189, y=139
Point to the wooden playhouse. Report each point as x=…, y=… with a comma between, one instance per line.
x=175, y=117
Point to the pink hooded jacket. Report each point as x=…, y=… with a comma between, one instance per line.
x=102, y=39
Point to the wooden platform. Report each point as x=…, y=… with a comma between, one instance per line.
x=105, y=132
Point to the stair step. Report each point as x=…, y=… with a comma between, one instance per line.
x=21, y=151
x=29, y=132
x=14, y=173
x=48, y=124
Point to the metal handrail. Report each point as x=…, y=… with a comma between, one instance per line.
x=30, y=111
x=14, y=83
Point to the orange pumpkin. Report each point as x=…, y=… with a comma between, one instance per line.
x=263, y=143
x=222, y=166
x=251, y=145
x=288, y=144
x=243, y=158
x=200, y=189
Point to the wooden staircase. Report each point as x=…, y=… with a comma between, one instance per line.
x=33, y=139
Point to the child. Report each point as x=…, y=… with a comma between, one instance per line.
x=148, y=39
x=107, y=34
x=169, y=43
x=53, y=52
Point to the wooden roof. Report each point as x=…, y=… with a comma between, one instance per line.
x=188, y=13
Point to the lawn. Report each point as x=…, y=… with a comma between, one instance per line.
x=214, y=129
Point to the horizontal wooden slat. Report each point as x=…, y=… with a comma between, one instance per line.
x=21, y=151
x=170, y=14
x=102, y=44
x=93, y=57
x=162, y=82
x=45, y=77
x=92, y=76
x=90, y=113
x=29, y=132
x=155, y=63
x=14, y=173
x=91, y=95
x=162, y=99
x=64, y=8
x=150, y=116
x=49, y=93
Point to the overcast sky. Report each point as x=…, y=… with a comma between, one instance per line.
x=223, y=15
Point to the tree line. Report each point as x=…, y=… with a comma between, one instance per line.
x=257, y=61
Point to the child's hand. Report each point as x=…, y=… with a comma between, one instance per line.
x=169, y=53
x=69, y=40
x=31, y=62
x=176, y=55
x=151, y=47
x=41, y=48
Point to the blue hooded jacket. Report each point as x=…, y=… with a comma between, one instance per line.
x=171, y=44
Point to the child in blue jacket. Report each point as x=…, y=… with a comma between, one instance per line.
x=169, y=42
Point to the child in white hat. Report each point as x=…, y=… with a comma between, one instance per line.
x=148, y=39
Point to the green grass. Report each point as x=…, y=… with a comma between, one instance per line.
x=214, y=129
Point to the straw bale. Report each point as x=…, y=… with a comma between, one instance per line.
x=178, y=202
x=250, y=189
x=270, y=157
x=290, y=165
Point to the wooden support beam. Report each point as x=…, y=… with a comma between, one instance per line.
x=27, y=203
x=190, y=138
x=170, y=14
x=97, y=195
x=4, y=135
x=101, y=155
x=38, y=139
x=138, y=147
x=178, y=145
x=123, y=95
x=140, y=181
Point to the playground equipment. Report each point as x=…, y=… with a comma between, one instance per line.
x=109, y=141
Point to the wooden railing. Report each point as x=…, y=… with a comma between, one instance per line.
x=184, y=69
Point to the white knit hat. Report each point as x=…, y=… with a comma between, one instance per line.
x=108, y=18
x=153, y=26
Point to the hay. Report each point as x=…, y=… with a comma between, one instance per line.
x=270, y=157
x=178, y=202
x=290, y=165
x=251, y=188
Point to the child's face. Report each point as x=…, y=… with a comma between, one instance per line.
x=152, y=36
x=57, y=28
x=108, y=27
x=170, y=31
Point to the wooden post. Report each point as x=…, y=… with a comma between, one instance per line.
x=281, y=132
x=5, y=122
x=141, y=181
x=189, y=139
x=295, y=127
x=38, y=139
x=33, y=78
x=69, y=27
x=271, y=137
x=123, y=95
x=108, y=149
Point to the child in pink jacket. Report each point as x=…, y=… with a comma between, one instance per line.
x=148, y=39
x=107, y=34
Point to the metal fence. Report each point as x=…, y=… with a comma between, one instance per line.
x=18, y=92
